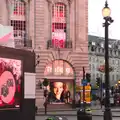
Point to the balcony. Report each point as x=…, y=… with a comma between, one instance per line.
x=23, y=43
x=54, y=44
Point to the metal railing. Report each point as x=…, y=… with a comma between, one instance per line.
x=21, y=43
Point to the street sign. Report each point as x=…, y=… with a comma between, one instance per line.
x=84, y=82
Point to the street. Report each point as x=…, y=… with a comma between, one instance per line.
x=75, y=118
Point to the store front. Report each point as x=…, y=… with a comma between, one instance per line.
x=61, y=82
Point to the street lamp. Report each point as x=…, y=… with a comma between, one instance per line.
x=119, y=82
x=108, y=20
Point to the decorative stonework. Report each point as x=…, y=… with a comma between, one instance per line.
x=59, y=68
x=66, y=2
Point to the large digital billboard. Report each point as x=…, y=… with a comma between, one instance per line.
x=10, y=83
x=60, y=92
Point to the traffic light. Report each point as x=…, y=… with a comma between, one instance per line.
x=98, y=82
x=88, y=77
x=112, y=90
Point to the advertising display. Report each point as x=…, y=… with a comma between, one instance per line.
x=79, y=94
x=10, y=83
x=60, y=92
x=58, y=39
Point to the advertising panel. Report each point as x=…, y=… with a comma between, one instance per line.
x=60, y=92
x=79, y=94
x=10, y=83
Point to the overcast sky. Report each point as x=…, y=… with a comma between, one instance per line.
x=95, y=18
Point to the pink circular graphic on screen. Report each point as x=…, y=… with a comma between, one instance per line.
x=7, y=87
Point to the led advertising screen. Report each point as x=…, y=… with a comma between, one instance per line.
x=60, y=92
x=10, y=83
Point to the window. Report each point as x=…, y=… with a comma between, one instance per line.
x=113, y=77
x=117, y=76
x=19, y=28
x=58, y=25
x=102, y=50
x=97, y=75
x=90, y=66
x=18, y=8
x=93, y=60
x=17, y=18
x=89, y=58
x=117, y=62
x=113, y=61
x=93, y=67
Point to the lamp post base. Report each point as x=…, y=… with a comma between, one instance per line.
x=107, y=115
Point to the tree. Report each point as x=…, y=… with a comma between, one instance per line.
x=45, y=82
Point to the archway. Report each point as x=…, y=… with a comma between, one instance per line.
x=61, y=78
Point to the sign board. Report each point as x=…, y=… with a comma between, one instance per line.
x=29, y=85
x=84, y=82
x=87, y=93
x=59, y=68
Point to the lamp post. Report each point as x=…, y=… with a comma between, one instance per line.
x=108, y=20
x=84, y=101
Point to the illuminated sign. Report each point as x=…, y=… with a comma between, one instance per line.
x=87, y=93
x=59, y=67
x=10, y=83
x=57, y=91
x=58, y=25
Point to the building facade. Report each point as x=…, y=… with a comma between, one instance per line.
x=96, y=58
x=57, y=30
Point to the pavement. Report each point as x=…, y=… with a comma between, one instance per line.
x=75, y=118
x=74, y=113
x=96, y=111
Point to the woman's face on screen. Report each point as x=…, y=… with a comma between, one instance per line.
x=58, y=88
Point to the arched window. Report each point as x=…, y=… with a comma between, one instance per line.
x=58, y=25
x=17, y=18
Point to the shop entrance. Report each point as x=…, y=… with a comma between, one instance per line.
x=61, y=84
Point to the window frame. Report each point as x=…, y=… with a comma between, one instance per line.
x=60, y=25
x=18, y=18
x=68, y=6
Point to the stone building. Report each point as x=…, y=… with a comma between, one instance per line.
x=57, y=30
x=96, y=58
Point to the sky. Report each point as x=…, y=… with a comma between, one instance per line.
x=95, y=18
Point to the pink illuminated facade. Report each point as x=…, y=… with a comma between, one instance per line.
x=57, y=30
